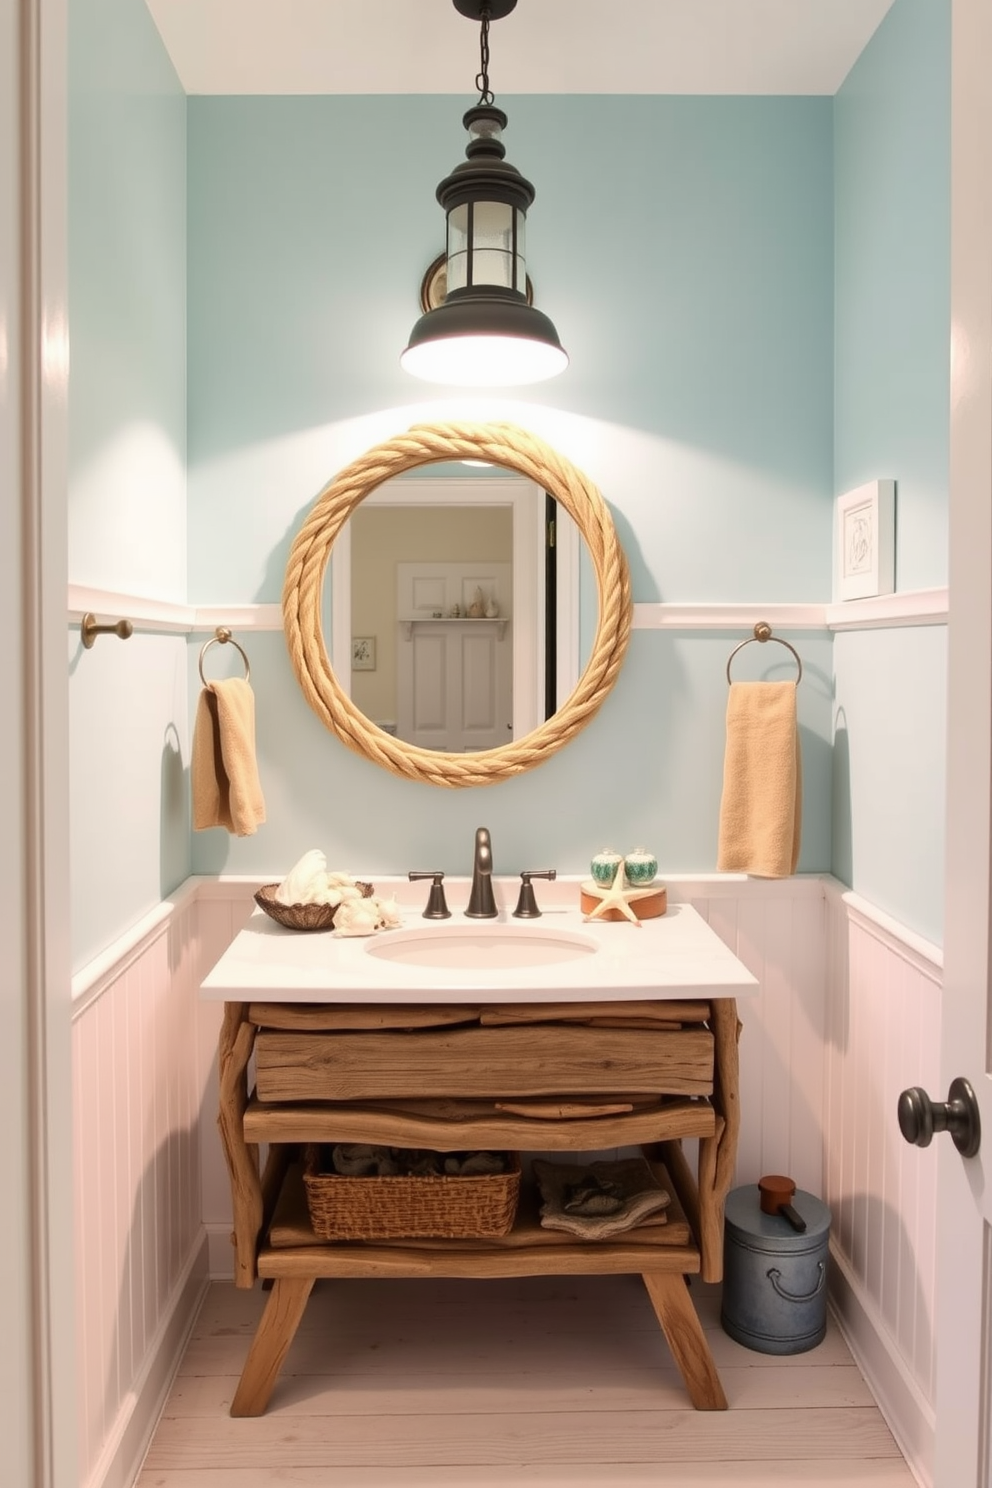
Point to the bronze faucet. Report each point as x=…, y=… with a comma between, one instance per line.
x=481, y=904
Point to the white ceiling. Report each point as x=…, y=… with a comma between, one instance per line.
x=544, y=46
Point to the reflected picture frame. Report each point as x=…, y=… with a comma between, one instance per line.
x=363, y=653
x=865, y=549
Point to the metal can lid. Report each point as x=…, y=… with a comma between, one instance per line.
x=743, y=1216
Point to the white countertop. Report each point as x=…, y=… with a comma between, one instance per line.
x=675, y=955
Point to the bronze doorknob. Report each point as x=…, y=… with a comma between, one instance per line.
x=920, y=1117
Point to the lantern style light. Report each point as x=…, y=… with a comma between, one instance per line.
x=485, y=333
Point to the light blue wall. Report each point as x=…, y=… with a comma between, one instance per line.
x=892, y=400
x=127, y=258
x=892, y=387
x=129, y=831
x=684, y=249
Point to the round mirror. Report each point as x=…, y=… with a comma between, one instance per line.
x=498, y=444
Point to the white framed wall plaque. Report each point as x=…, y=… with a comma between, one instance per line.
x=865, y=541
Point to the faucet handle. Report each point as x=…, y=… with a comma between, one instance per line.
x=526, y=903
x=437, y=905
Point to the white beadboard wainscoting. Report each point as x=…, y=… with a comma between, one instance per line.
x=882, y=1035
x=846, y=1016
x=140, y=1074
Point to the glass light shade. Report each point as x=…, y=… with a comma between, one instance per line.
x=486, y=246
x=484, y=338
x=484, y=361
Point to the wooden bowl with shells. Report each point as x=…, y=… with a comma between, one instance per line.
x=301, y=916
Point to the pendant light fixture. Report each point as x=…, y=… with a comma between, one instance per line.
x=485, y=334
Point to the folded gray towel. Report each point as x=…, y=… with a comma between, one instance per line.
x=599, y=1199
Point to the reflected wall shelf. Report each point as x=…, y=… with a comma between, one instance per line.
x=499, y=623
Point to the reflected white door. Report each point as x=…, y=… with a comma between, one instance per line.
x=454, y=689
x=964, y=1221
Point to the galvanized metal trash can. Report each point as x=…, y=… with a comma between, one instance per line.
x=775, y=1279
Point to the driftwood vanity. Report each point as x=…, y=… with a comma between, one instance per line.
x=304, y=1059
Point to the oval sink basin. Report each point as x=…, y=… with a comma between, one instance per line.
x=481, y=947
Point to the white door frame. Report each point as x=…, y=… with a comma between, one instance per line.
x=964, y=1192
x=37, y=1376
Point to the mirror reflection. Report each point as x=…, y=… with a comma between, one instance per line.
x=454, y=611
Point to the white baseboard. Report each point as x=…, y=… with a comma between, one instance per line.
x=125, y=1447
x=220, y=1252
x=908, y=1414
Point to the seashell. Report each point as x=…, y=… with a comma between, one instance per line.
x=388, y=912
x=356, y=917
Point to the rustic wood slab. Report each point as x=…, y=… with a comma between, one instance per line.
x=658, y=1024
x=458, y=1258
x=560, y=1110
x=314, y=1017
x=498, y=1062
x=563, y=1012
x=361, y=1122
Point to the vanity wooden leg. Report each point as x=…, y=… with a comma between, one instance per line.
x=686, y=1339
x=710, y=1207
x=273, y=1336
x=726, y=1096
x=237, y=1039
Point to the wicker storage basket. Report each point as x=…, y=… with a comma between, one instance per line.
x=409, y=1208
x=301, y=916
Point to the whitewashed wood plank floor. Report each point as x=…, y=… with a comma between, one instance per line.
x=562, y=1382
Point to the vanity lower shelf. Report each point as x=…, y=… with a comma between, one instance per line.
x=292, y=1259
x=292, y=1249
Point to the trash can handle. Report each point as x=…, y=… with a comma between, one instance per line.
x=774, y=1276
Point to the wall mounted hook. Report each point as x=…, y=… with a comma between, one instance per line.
x=89, y=629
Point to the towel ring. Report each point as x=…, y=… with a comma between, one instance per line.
x=224, y=636
x=763, y=632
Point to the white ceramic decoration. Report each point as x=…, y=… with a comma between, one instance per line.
x=640, y=867
x=606, y=865
x=616, y=896
x=357, y=917
x=492, y=608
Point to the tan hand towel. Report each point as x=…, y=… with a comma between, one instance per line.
x=226, y=789
x=761, y=808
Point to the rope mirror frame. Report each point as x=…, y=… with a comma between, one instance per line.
x=427, y=444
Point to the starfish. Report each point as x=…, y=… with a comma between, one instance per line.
x=615, y=897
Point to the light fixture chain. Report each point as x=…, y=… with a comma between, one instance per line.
x=482, y=76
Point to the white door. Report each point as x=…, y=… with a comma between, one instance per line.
x=964, y=1221
x=454, y=689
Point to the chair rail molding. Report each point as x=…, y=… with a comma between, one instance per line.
x=889, y=611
